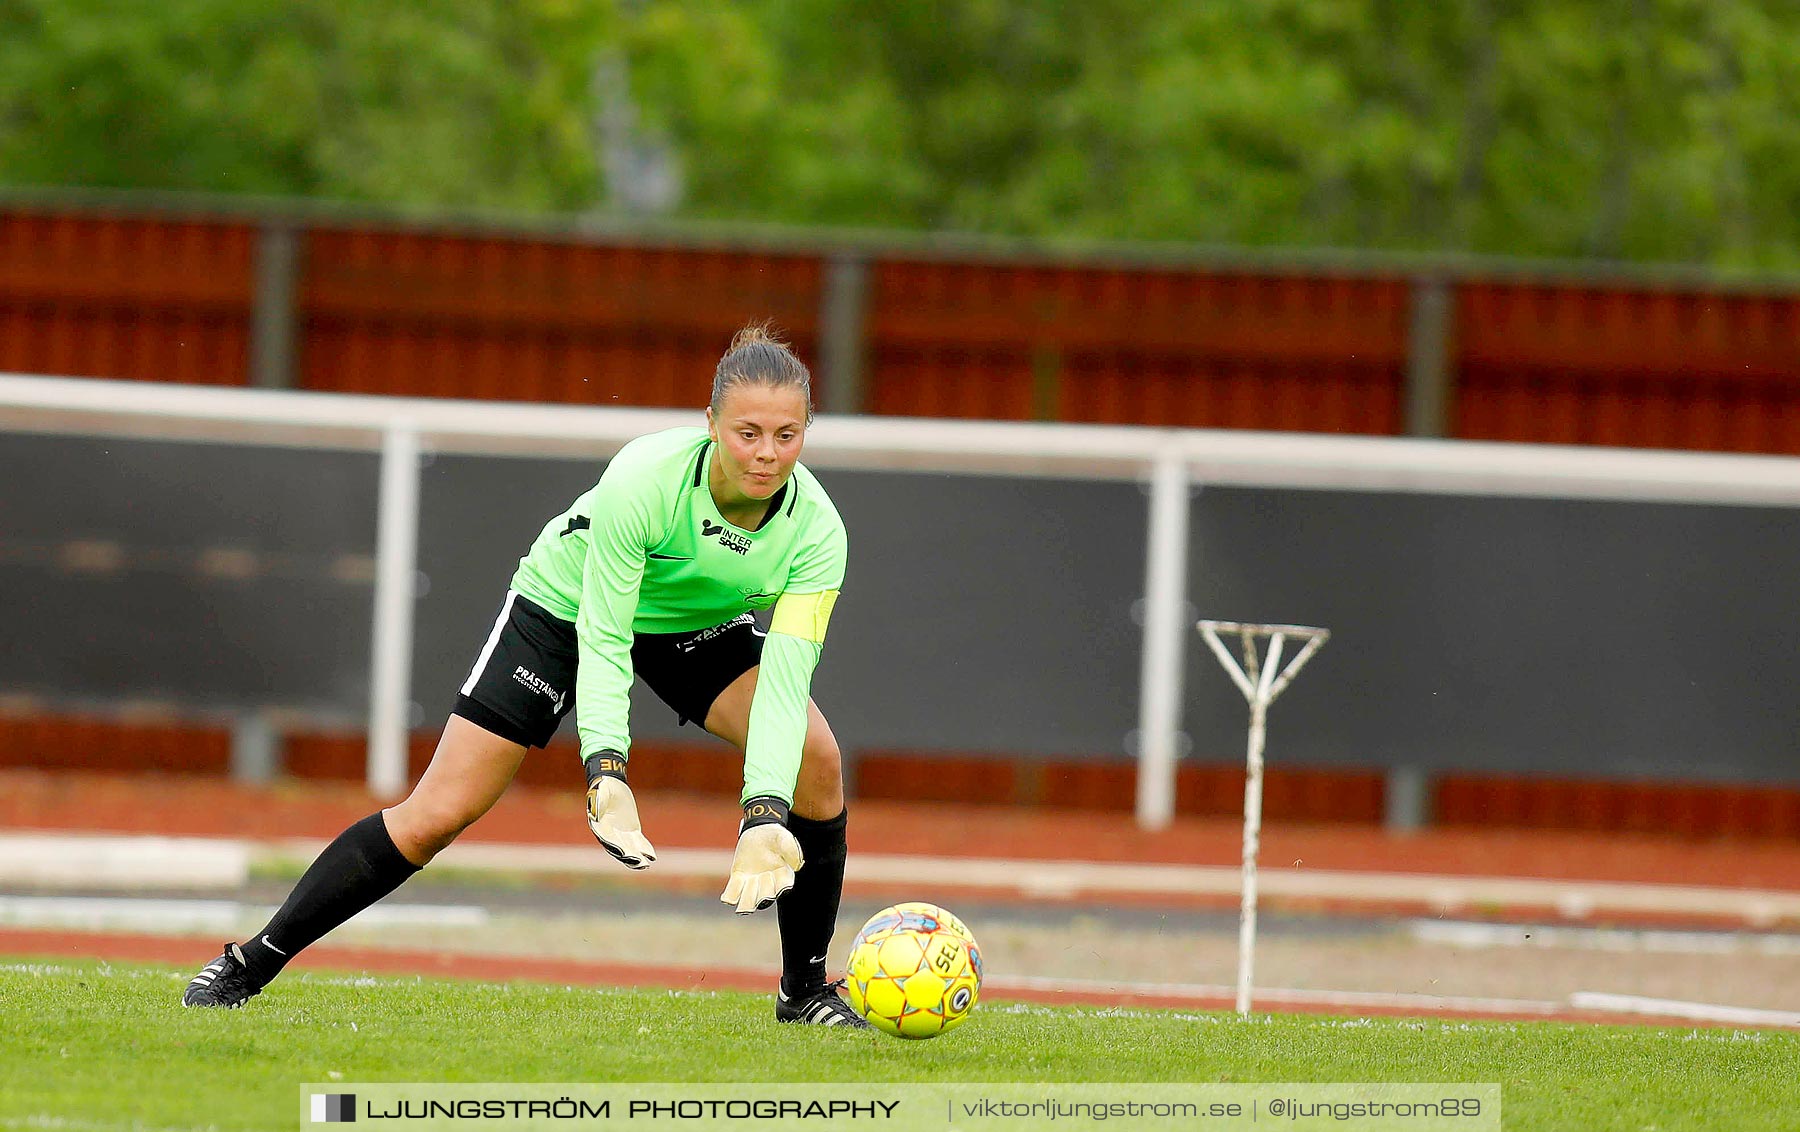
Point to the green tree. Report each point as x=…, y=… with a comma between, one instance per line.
x=436, y=102
x=1635, y=129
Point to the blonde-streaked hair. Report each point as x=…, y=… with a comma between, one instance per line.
x=757, y=357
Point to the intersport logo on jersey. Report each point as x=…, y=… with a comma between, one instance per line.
x=727, y=537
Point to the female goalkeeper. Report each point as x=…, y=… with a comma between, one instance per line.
x=653, y=572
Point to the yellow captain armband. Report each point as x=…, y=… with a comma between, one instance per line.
x=803, y=615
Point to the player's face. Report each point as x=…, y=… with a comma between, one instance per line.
x=759, y=430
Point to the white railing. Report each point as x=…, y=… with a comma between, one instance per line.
x=1170, y=461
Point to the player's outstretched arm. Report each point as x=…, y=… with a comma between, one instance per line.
x=612, y=812
x=767, y=855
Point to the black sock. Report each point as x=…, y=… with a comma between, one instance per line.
x=808, y=911
x=360, y=867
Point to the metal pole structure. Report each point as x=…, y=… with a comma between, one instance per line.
x=1165, y=612
x=1428, y=362
x=1260, y=681
x=1253, y=795
x=843, y=310
x=396, y=570
x=274, y=316
x=255, y=749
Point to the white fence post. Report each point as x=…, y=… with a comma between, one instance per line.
x=396, y=571
x=1165, y=630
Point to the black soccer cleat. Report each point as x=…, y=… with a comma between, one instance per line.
x=224, y=982
x=823, y=1007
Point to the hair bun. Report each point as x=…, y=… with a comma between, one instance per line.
x=759, y=357
x=757, y=333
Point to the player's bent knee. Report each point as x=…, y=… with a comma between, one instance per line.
x=819, y=792
x=422, y=830
x=821, y=759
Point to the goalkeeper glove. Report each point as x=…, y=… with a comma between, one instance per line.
x=767, y=855
x=612, y=811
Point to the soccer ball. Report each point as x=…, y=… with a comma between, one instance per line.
x=915, y=970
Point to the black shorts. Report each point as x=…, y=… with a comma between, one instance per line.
x=523, y=683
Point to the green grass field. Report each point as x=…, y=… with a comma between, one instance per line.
x=87, y=1046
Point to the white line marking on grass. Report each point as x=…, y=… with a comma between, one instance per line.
x=1037, y=1011
x=1675, y=1008
x=1731, y=1036
x=1285, y=995
x=1225, y=1018
x=103, y=971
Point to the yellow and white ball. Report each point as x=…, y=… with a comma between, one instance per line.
x=915, y=970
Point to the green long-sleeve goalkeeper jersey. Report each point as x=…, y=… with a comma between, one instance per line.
x=645, y=550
